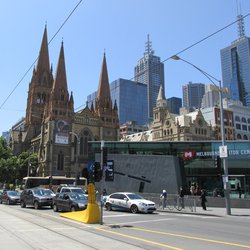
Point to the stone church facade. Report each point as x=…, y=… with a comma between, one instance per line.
x=53, y=130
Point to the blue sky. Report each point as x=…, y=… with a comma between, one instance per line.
x=119, y=27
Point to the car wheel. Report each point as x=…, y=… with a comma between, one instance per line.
x=108, y=207
x=36, y=205
x=134, y=209
x=55, y=208
x=22, y=204
x=1, y=201
x=73, y=209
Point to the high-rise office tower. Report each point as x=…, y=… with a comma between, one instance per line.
x=192, y=95
x=131, y=100
x=174, y=104
x=235, y=64
x=150, y=71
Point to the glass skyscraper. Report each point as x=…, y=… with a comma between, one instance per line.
x=235, y=64
x=192, y=95
x=150, y=71
x=131, y=99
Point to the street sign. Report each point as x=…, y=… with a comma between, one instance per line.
x=223, y=152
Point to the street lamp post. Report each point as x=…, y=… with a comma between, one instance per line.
x=223, y=142
x=77, y=156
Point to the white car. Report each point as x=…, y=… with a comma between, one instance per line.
x=129, y=202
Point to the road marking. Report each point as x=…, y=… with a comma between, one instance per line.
x=191, y=237
x=118, y=215
x=143, y=221
x=139, y=239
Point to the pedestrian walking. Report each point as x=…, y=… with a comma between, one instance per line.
x=203, y=199
x=163, y=198
x=239, y=190
x=181, y=195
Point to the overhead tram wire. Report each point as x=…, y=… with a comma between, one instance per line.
x=25, y=74
x=187, y=48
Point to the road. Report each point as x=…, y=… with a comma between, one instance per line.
x=27, y=228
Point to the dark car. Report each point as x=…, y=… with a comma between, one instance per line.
x=37, y=198
x=70, y=202
x=10, y=197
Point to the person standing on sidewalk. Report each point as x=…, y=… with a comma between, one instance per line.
x=163, y=198
x=203, y=199
x=181, y=195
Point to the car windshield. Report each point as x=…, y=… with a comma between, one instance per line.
x=77, y=190
x=42, y=192
x=76, y=196
x=134, y=196
x=13, y=193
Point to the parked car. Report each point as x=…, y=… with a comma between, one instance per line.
x=129, y=202
x=10, y=197
x=37, y=198
x=70, y=202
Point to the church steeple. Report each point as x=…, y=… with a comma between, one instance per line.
x=43, y=64
x=60, y=82
x=40, y=87
x=103, y=106
x=103, y=94
x=60, y=105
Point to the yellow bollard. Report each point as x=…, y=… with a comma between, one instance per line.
x=91, y=214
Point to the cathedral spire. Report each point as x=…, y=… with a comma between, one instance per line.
x=60, y=82
x=43, y=64
x=103, y=94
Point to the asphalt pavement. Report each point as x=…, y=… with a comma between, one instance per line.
x=211, y=211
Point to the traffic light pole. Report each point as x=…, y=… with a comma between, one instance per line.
x=101, y=189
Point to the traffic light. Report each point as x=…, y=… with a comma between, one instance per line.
x=104, y=156
x=97, y=172
x=109, y=171
x=217, y=162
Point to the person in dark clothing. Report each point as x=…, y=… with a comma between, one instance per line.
x=182, y=193
x=239, y=190
x=203, y=199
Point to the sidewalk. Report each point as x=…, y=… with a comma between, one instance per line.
x=211, y=211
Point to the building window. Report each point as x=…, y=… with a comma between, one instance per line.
x=238, y=126
x=243, y=119
x=245, y=137
x=248, y=120
x=60, y=161
x=244, y=127
x=239, y=137
x=237, y=118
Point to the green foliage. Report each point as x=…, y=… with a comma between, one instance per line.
x=15, y=167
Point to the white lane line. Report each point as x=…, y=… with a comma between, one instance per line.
x=142, y=221
x=118, y=215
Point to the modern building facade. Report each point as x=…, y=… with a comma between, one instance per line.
x=192, y=95
x=131, y=100
x=174, y=104
x=235, y=65
x=150, y=71
x=211, y=97
x=196, y=161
